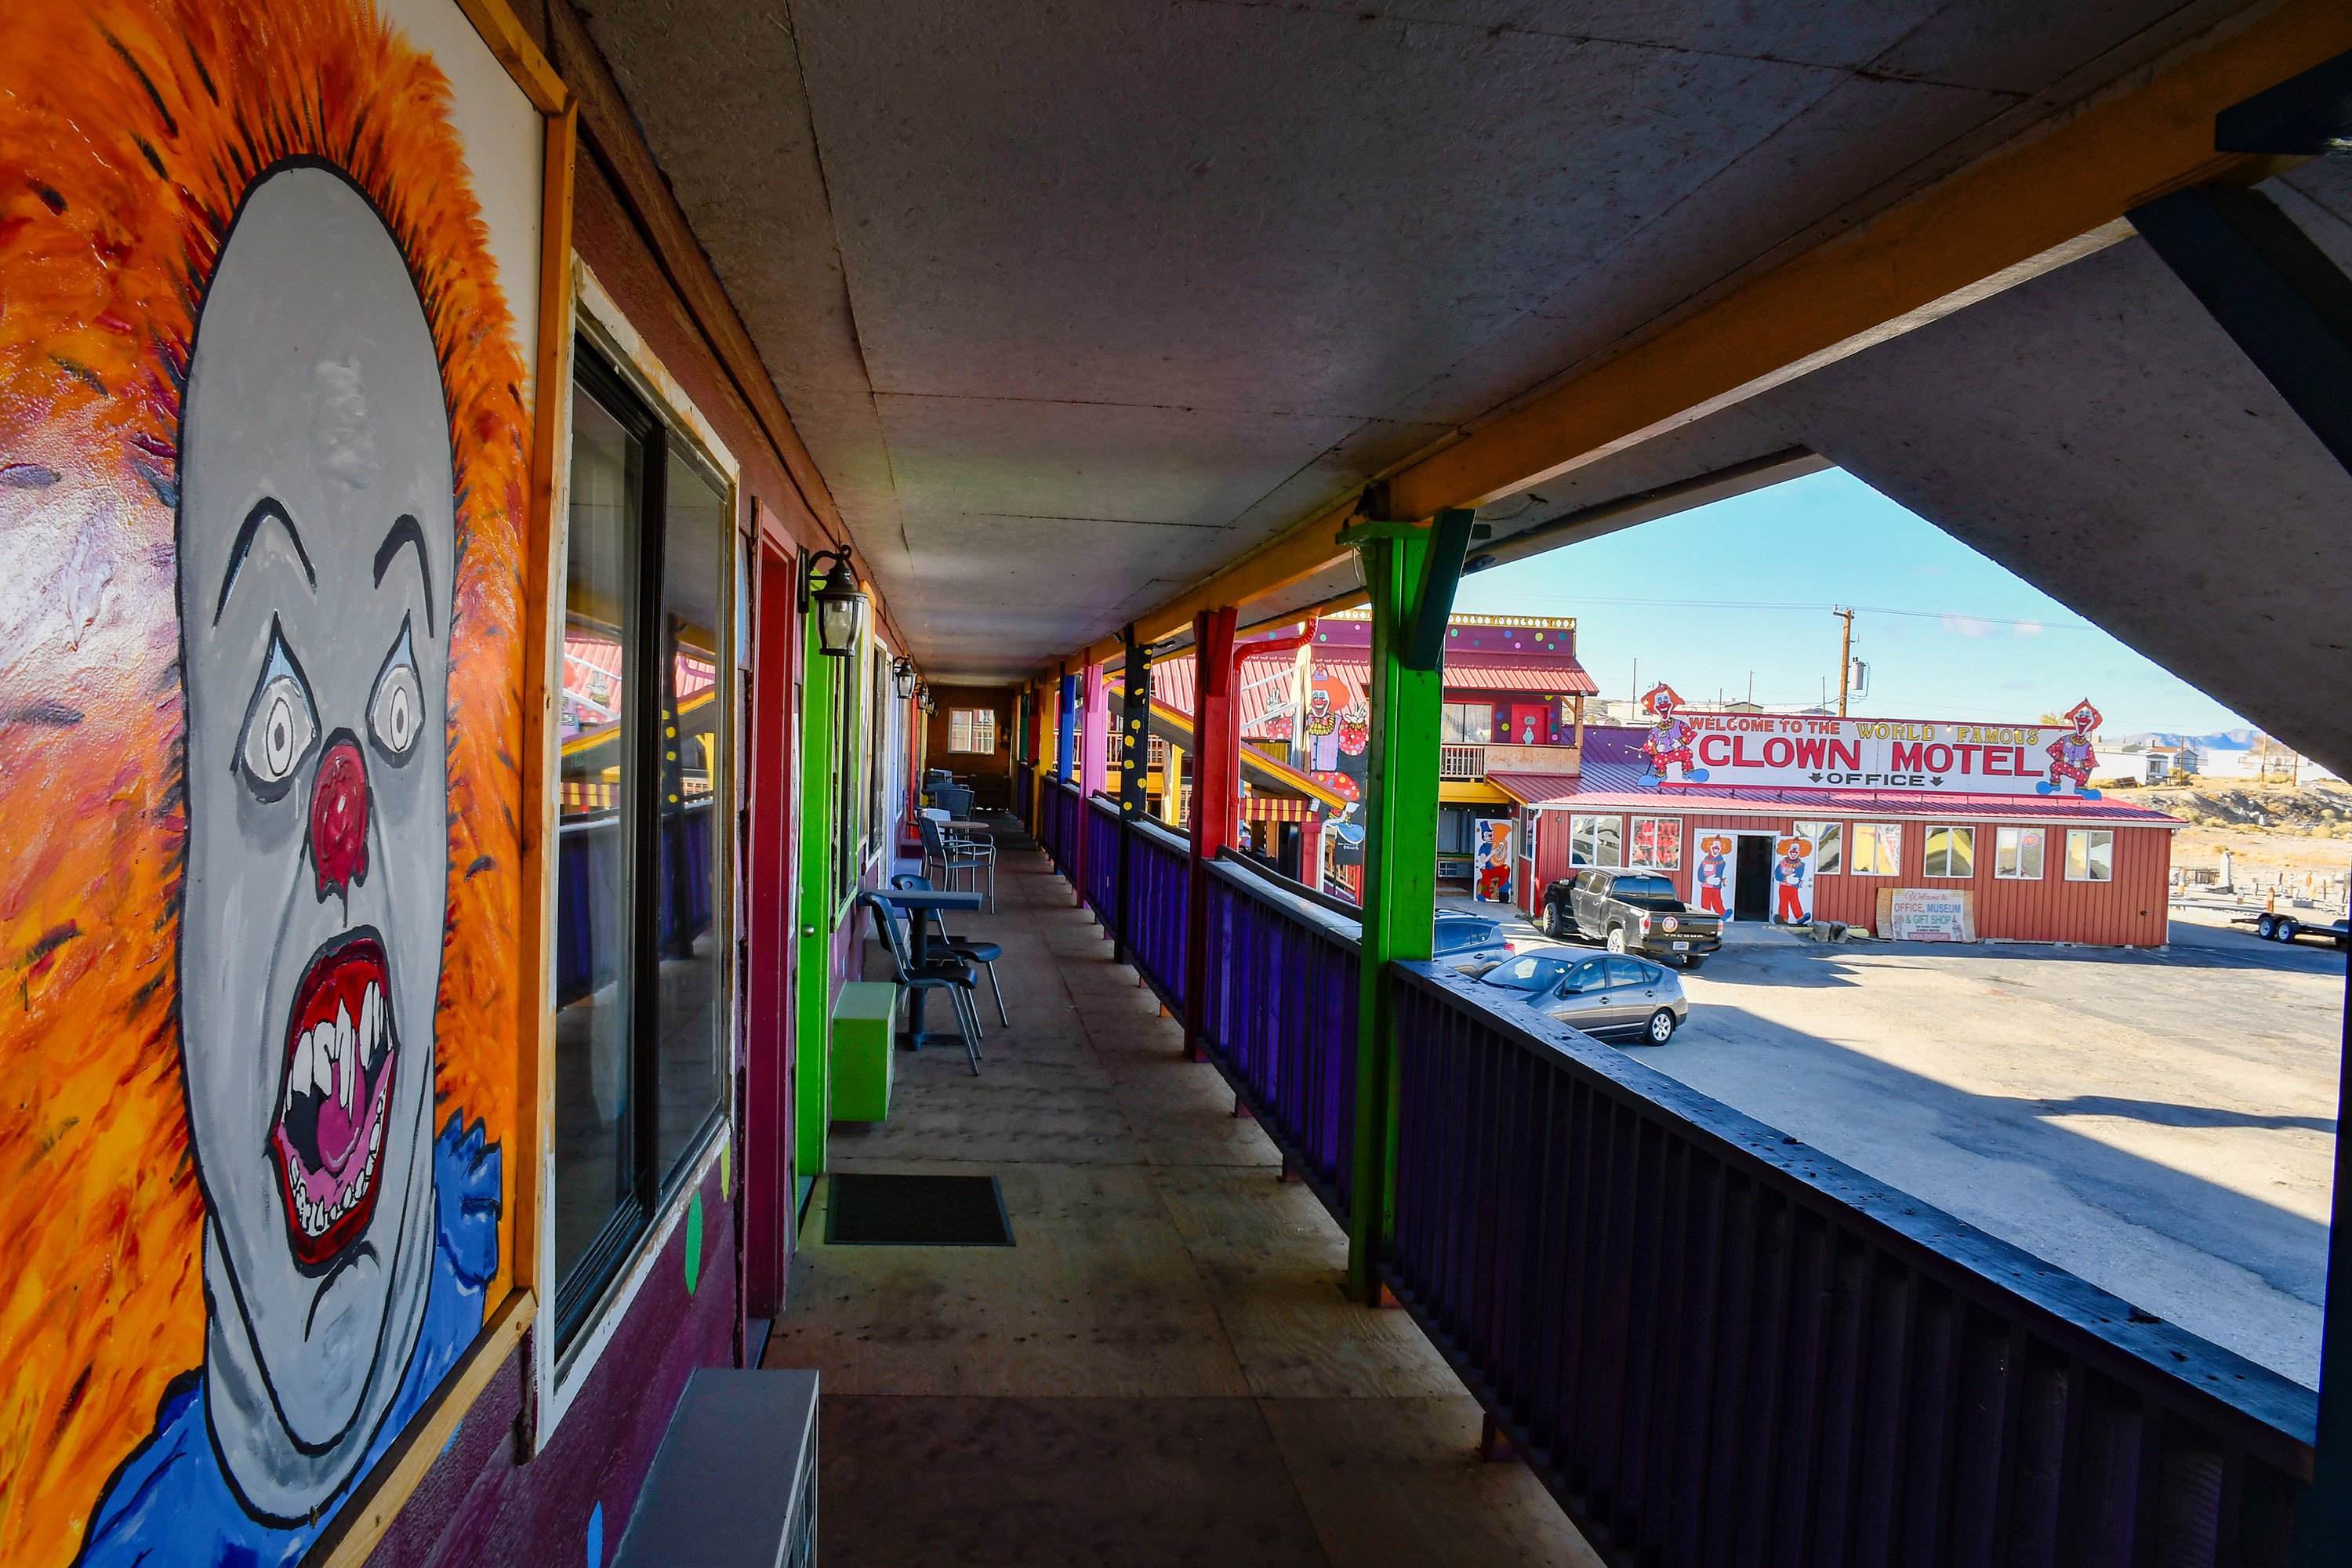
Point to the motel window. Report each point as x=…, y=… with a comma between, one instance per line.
x=1596, y=840
x=2017, y=853
x=1951, y=852
x=1468, y=724
x=971, y=729
x=1877, y=848
x=2090, y=854
x=1657, y=844
x=642, y=1045
x=1828, y=839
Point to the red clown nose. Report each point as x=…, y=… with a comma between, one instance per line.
x=338, y=815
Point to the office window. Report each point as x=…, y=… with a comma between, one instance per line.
x=971, y=729
x=1951, y=852
x=1829, y=845
x=1657, y=843
x=2017, y=853
x=1453, y=830
x=2090, y=854
x=1596, y=840
x=1467, y=725
x=642, y=1049
x=1877, y=848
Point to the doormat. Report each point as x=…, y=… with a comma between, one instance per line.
x=865, y=1209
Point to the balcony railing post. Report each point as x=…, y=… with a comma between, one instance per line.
x=1216, y=796
x=1410, y=575
x=1134, y=762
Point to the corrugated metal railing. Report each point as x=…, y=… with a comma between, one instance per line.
x=1718, y=1345
x=1281, y=1021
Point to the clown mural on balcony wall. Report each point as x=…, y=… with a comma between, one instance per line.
x=262, y=470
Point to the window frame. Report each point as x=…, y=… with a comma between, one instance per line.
x=1450, y=717
x=1880, y=837
x=1827, y=837
x=1577, y=856
x=987, y=751
x=1633, y=840
x=2008, y=839
x=563, y=1362
x=1960, y=832
x=2088, y=834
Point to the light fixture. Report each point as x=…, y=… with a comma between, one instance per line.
x=840, y=604
x=924, y=700
x=902, y=676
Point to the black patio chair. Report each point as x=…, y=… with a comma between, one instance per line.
x=984, y=953
x=954, y=978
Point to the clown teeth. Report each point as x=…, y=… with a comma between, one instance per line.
x=345, y=1053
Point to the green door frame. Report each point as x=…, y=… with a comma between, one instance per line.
x=813, y=1000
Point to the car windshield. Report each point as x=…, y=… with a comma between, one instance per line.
x=1530, y=971
x=1460, y=934
x=1643, y=888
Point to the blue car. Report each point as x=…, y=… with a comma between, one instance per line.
x=1471, y=944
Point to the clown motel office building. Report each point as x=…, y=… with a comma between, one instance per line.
x=1913, y=829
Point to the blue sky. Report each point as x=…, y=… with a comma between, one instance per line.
x=1743, y=588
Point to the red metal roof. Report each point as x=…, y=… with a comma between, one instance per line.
x=1616, y=787
x=1266, y=679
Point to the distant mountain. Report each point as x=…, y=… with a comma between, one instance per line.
x=2221, y=740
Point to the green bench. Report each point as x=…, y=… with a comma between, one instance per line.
x=863, y=1024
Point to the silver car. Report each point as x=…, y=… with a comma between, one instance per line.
x=1609, y=995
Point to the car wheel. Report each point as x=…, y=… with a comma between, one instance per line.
x=1556, y=925
x=2266, y=928
x=1662, y=1027
x=1691, y=961
x=2285, y=928
x=1616, y=939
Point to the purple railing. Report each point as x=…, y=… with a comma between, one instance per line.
x=1717, y=1345
x=1158, y=908
x=1058, y=823
x=1101, y=870
x=1280, y=1021
x=1024, y=791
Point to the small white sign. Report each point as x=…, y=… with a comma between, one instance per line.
x=1930, y=914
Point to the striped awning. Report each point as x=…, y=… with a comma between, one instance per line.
x=1275, y=808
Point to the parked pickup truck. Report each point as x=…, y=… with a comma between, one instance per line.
x=1632, y=912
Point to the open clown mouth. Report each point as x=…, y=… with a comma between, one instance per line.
x=329, y=1140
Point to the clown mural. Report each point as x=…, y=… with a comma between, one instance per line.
x=290, y=469
x=1792, y=880
x=1712, y=872
x=1669, y=743
x=2074, y=754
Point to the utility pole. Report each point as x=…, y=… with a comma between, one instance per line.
x=1845, y=658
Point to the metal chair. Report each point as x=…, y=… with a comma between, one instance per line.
x=956, y=979
x=983, y=953
x=955, y=855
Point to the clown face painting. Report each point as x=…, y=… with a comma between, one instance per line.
x=316, y=537
x=283, y=1065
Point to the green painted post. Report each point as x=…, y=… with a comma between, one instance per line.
x=813, y=1000
x=1399, y=869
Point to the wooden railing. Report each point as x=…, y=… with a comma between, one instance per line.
x=1714, y=1343
x=1462, y=762
x=1717, y=1344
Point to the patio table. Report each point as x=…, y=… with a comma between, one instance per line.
x=924, y=906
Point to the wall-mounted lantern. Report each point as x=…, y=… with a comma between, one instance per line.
x=840, y=604
x=902, y=676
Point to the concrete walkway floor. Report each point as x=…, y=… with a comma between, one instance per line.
x=1164, y=1368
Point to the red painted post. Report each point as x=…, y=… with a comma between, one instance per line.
x=1216, y=796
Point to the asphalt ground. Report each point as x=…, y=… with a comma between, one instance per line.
x=2160, y=1123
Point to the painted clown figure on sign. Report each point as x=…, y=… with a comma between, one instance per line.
x=1792, y=880
x=2074, y=754
x=1669, y=743
x=1713, y=871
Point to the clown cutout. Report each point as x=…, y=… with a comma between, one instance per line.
x=2072, y=754
x=1792, y=880
x=1714, y=870
x=1670, y=739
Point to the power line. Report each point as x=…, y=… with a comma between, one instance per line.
x=1572, y=601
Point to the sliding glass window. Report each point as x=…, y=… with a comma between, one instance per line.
x=642, y=1036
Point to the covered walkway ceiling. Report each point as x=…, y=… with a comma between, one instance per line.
x=1076, y=305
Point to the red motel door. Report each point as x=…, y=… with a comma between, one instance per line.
x=1531, y=724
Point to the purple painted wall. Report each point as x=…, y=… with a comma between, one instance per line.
x=479, y=1509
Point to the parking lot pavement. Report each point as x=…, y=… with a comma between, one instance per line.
x=2160, y=1123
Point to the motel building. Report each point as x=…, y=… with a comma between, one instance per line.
x=1916, y=830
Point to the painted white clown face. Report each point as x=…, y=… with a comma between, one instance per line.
x=316, y=537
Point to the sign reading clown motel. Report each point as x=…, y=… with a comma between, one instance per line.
x=1805, y=752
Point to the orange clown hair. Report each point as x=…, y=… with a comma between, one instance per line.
x=129, y=131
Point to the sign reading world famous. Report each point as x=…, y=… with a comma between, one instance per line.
x=1806, y=751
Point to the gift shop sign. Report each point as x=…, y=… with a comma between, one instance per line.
x=1800, y=751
